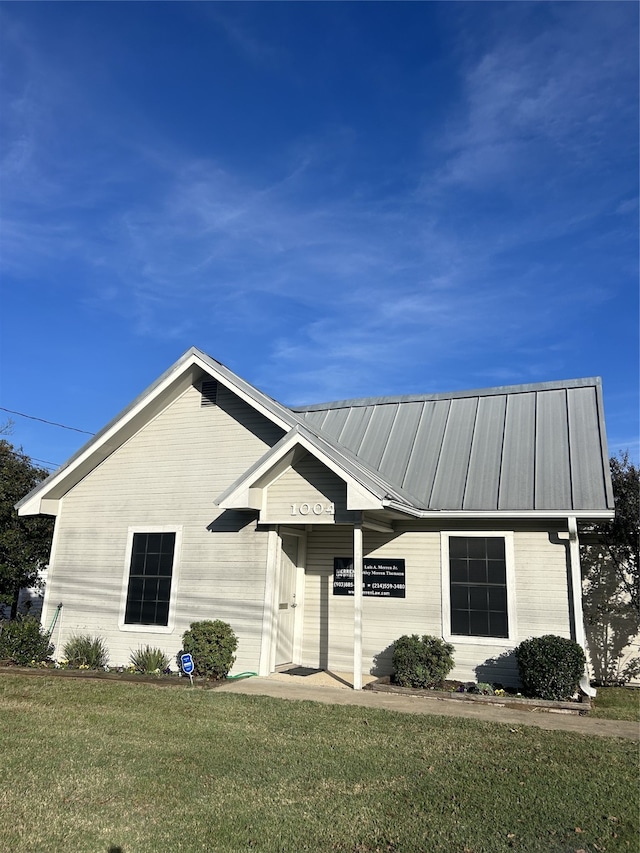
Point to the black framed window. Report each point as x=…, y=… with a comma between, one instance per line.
x=478, y=586
x=150, y=574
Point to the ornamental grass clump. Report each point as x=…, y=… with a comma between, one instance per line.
x=23, y=641
x=550, y=667
x=212, y=646
x=421, y=661
x=83, y=651
x=149, y=660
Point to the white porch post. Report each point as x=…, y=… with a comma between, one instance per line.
x=357, y=606
x=270, y=613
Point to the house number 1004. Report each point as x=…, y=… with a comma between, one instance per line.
x=313, y=509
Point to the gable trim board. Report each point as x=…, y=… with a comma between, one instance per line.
x=389, y=478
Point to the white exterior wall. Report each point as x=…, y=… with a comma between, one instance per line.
x=166, y=476
x=541, y=595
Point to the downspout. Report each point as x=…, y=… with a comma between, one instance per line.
x=576, y=588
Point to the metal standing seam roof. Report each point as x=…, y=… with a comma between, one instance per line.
x=523, y=448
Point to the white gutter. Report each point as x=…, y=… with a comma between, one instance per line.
x=511, y=513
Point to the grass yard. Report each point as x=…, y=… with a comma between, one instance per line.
x=131, y=768
x=617, y=703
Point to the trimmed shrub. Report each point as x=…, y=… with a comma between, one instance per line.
x=212, y=646
x=86, y=652
x=550, y=667
x=421, y=662
x=23, y=641
x=149, y=660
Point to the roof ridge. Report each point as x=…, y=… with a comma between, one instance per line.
x=477, y=392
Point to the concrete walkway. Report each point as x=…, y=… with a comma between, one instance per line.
x=335, y=689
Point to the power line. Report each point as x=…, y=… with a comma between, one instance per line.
x=43, y=421
x=44, y=462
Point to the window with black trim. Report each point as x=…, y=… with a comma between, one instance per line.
x=149, y=589
x=478, y=586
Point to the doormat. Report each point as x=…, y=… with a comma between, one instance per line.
x=300, y=670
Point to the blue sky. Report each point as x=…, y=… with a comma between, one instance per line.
x=333, y=199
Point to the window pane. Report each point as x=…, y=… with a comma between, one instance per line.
x=477, y=571
x=499, y=626
x=459, y=597
x=165, y=564
x=460, y=622
x=497, y=598
x=162, y=613
x=132, y=614
x=477, y=547
x=164, y=589
x=151, y=565
x=495, y=548
x=139, y=543
x=479, y=624
x=478, y=598
x=154, y=542
x=457, y=546
x=148, y=613
x=496, y=572
x=136, y=585
x=459, y=571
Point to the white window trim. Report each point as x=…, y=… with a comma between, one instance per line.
x=464, y=639
x=151, y=629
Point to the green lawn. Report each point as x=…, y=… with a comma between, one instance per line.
x=131, y=768
x=616, y=703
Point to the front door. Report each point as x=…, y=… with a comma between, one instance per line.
x=287, y=600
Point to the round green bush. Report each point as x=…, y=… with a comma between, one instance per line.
x=421, y=661
x=550, y=667
x=23, y=641
x=212, y=646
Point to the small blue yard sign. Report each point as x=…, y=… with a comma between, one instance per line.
x=187, y=663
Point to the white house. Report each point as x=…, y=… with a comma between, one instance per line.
x=322, y=534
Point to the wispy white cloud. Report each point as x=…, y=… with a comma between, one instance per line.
x=320, y=272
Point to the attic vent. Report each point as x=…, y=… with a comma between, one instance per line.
x=209, y=391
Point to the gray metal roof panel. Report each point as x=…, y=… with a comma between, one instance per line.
x=527, y=447
x=517, y=474
x=395, y=458
x=453, y=462
x=423, y=461
x=483, y=477
x=588, y=483
x=376, y=437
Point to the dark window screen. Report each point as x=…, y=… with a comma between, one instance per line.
x=150, y=579
x=478, y=586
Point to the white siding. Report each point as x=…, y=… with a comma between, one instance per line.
x=541, y=601
x=167, y=474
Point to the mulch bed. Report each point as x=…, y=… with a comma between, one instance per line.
x=581, y=707
x=96, y=675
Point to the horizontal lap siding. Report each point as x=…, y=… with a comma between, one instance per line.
x=541, y=595
x=310, y=482
x=167, y=475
